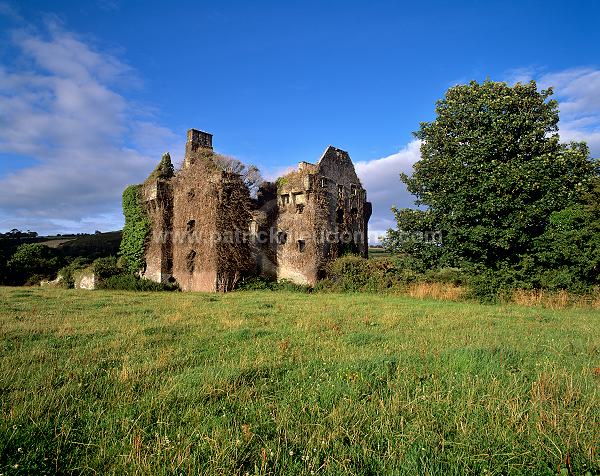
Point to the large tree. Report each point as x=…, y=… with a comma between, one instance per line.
x=492, y=172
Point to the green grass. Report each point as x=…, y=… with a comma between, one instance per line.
x=379, y=253
x=263, y=382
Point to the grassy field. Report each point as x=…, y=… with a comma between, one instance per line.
x=379, y=253
x=286, y=383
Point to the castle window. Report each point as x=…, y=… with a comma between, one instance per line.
x=189, y=261
x=299, y=197
x=301, y=245
x=340, y=215
x=281, y=237
x=191, y=226
x=323, y=182
x=354, y=213
x=285, y=199
x=340, y=191
x=300, y=208
x=191, y=194
x=353, y=190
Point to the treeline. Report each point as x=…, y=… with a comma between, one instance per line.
x=26, y=259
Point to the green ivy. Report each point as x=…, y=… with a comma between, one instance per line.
x=280, y=183
x=164, y=170
x=135, y=231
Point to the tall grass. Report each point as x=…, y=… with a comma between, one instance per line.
x=557, y=300
x=113, y=382
x=439, y=291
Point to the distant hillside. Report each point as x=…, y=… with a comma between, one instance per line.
x=89, y=246
x=45, y=255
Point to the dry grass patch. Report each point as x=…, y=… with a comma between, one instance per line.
x=438, y=291
x=557, y=300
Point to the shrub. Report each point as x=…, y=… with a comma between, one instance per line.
x=255, y=283
x=563, y=279
x=446, y=275
x=491, y=285
x=129, y=282
x=285, y=285
x=34, y=280
x=104, y=268
x=350, y=273
x=33, y=262
x=67, y=273
x=325, y=285
x=261, y=283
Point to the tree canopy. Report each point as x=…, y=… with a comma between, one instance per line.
x=491, y=175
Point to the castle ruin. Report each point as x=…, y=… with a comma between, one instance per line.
x=207, y=231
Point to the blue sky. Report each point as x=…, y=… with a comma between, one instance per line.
x=91, y=93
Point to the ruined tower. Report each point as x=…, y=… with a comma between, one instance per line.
x=207, y=231
x=322, y=212
x=157, y=193
x=210, y=208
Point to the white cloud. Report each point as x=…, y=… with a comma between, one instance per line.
x=381, y=179
x=273, y=174
x=577, y=89
x=578, y=93
x=60, y=106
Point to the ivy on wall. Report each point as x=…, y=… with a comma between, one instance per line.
x=164, y=170
x=280, y=183
x=135, y=231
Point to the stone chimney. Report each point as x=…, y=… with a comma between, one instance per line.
x=196, y=140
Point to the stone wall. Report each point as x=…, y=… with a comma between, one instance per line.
x=85, y=279
x=347, y=207
x=195, y=206
x=199, y=218
x=158, y=197
x=322, y=213
x=301, y=215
